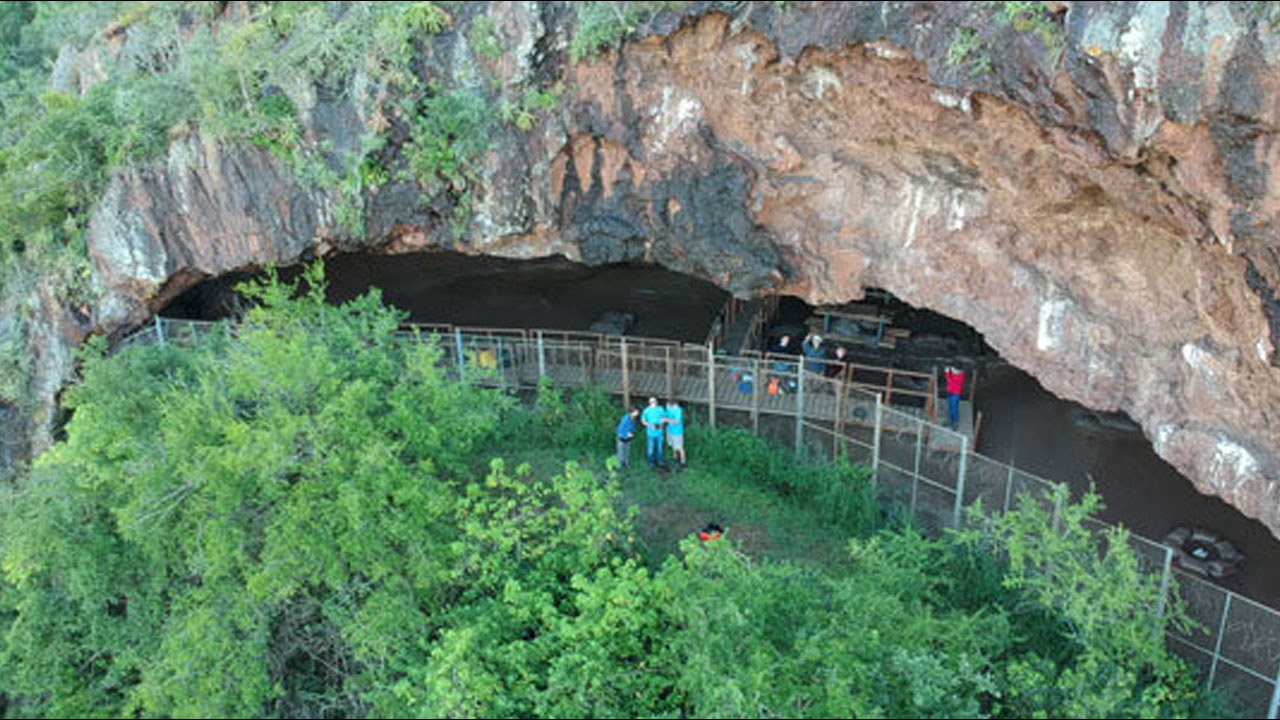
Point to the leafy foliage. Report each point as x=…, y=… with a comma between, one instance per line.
x=484, y=37
x=158, y=72
x=242, y=79
x=306, y=517
x=1032, y=16
x=524, y=113
x=255, y=500
x=967, y=49
x=606, y=24
x=450, y=136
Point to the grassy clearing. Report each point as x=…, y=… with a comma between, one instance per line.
x=797, y=512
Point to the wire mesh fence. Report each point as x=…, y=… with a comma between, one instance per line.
x=922, y=471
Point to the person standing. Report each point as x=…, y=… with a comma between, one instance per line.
x=626, y=433
x=675, y=430
x=814, y=354
x=782, y=346
x=782, y=370
x=955, y=386
x=653, y=418
x=841, y=357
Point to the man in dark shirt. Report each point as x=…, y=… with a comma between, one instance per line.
x=626, y=433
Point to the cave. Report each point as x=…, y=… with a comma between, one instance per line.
x=1018, y=422
x=468, y=290
x=1011, y=418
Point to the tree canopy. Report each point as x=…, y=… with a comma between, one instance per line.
x=307, y=517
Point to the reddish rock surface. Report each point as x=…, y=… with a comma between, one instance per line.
x=1102, y=210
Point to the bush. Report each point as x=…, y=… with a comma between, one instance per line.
x=607, y=24
x=450, y=136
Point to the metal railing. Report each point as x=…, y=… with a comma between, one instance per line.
x=926, y=468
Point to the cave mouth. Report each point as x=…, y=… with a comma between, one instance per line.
x=1021, y=424
x=482, y=291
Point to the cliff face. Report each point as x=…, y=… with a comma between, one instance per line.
x=1097, y=195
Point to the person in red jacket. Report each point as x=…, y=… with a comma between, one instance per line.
x=955, y=386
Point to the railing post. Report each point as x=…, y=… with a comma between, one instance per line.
x=1274, y=708
x=964, y=465
x=1217, y=645
x=755, y=398
x=875, y=444
x=498, y=364
x=841, y=387
x=1008, y=487
x=671, y=380
x=159, y=331
x=462, y=362
x=1164, y=580
x=542, y=357
x=626, y=377
x=799, y=408
x=711, y=384
x=915, y=470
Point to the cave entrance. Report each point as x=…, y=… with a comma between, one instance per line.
x=465, y=290
x=1006, y=414
x=1013, y=420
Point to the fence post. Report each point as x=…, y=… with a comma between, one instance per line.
x=1164, y=580
x=542, y=357
x=500, y=366
x=915, y=471
x=711, y=384
x=1008, y=486
x=462, y=363
x=1274, y=707
x=964, y=465
x=755, y=399
x=671, y=380
x=626, y=377
x=841, y=387
x=159, y=331
x=875, y=444
x=799, y=409
x=1217, y=645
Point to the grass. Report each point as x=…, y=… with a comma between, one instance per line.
x=762, y=523
x=769, y=505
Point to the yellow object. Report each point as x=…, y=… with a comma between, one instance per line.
x=487, y=359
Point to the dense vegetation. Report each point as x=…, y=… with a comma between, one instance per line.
x=308, y=518
x=90, y=88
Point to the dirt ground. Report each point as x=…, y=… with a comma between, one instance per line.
x=1028, y=427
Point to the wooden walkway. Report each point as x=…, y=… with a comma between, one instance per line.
x=738, y=384
x=518, y=358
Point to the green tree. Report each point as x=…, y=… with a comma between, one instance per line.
x=224, y=526
x=305, y=516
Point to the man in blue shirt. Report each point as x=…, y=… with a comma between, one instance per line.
x=626, y=433
x=653, y=418
x=675, y=430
